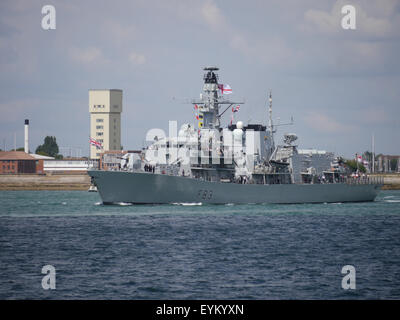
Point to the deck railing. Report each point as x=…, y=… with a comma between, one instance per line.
x=348, y=180
x=364, y=180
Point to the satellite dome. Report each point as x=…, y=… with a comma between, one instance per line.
x=237, y=134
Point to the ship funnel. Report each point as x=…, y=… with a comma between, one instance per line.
x=26, y=149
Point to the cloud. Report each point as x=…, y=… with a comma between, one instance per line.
x=269, y=51
x=321, y=21
x=18, y=109
x=213, y=16
x=87, y=55
x=137, y=59
x=118, y=32
x=378, y=21
x=375, y=116
x=326, y=124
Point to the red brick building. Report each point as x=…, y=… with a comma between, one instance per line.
x=16, y=162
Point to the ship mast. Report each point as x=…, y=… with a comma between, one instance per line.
x=210, y=101
x=270, y=112
x=210, y=98
x=270, y=122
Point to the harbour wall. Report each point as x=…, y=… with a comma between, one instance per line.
x=391, y=181
x=80, y=181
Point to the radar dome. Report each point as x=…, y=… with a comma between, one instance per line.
x=239, y=124
x=237, y=135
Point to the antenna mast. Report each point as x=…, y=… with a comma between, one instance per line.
x=270, y=122
x=270, y=111
x=373, y=153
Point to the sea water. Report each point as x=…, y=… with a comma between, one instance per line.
x=194, y=251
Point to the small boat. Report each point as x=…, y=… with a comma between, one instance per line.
x=92, y=188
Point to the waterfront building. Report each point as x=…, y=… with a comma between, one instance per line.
x=19, y=162
x=69, y=165
x=105, y=107
x=387, y=163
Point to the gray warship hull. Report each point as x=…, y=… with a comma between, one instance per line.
x=148, y=188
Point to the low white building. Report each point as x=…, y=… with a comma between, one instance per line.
x=69, y=165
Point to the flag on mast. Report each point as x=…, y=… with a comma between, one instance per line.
x=95, y=143
x=234, y=110
x=225, y=88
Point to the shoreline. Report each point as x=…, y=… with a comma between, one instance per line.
x=45, y=188
x=61, y=182
x=391, y=187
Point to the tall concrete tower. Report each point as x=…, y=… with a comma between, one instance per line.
x=105, y=107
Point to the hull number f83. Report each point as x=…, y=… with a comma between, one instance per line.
x=205, y=194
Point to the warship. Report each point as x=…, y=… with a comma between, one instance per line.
x=237, y=163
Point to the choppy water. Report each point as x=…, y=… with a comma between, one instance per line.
x=196, y=252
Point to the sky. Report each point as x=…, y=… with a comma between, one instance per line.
x=340, y=86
